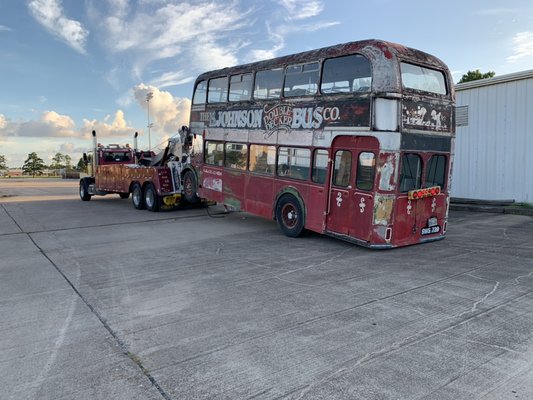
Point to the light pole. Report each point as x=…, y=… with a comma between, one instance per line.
x=149, y=97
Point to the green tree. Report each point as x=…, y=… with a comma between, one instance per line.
x=82, y=165
x=34, y=165
x=68, y=162
x=58, y=161
x=476, y=75
x=3, y=162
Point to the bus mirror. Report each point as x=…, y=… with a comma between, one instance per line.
x=85, y=158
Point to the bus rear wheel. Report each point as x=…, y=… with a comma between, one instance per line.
x=290, y=216
x=190, y=186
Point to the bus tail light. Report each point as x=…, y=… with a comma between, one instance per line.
x=423, y=193
x=386, y=114
x=444, y=226
x=388, y=234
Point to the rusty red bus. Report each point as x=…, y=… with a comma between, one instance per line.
x=354, y=141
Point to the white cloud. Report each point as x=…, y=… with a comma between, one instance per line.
x=115, y=126
x=49, y=13
x=171, y=79
x=167, y=113
x=4, y=28
x=50, y=124
x=301, y=9
x=523, y=46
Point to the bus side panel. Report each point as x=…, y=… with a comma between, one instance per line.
x=259, y=195
x=211, y=183
x=315, y=207
x=233, y=187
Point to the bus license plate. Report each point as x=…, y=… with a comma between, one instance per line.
x=432, y=227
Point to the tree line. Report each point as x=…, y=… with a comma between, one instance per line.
x=35, y=165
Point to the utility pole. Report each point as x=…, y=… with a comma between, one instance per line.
x=149, y=97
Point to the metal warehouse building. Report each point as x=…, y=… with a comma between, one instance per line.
x=494, y=145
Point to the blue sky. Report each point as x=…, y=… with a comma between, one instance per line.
x=70, y=66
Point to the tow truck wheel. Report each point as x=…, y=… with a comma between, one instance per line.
x=84, y=192
x=151, y=199
x=190, y=186
x=137, y=198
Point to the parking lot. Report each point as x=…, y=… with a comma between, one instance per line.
x=102, y=301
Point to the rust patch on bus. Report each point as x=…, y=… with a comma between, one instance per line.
x=383, y=209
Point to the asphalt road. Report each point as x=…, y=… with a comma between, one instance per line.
x=101, y=301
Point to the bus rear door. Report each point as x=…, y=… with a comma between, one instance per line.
x=351, y=207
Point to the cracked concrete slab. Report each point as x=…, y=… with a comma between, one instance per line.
x=97, y=299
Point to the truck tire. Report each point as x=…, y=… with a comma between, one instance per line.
x=84, y=191
x=151, y=199
x=190, y=186
x=290, y=216
x=137, y=198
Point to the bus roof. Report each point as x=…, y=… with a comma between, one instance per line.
x=379, y=52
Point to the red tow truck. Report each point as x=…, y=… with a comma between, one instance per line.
x=154, y=181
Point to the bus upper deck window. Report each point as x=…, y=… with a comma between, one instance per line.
x=240, y=87
x=422, y=78
x=218, y=90
x=346, y=74
x=301, y=80
x=200, y=93
x=268, y=84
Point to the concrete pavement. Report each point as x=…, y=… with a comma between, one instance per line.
x=101, y=301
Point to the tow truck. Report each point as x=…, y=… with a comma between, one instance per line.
x=155, y=181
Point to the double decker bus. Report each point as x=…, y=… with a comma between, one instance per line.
x=353, y=141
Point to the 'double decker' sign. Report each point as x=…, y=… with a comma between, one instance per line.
x=278, y=118
x=286, y=117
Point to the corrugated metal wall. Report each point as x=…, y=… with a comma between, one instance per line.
x=494, y=153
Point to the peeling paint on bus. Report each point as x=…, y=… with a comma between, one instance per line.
x=387, y=179
x=383, y=206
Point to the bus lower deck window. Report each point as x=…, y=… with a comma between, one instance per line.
x=410, y=173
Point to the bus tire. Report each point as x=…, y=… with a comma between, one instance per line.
x=84, y=190
x=137, y=198
x=151, y=199
x=290, y=216
x=190, y=186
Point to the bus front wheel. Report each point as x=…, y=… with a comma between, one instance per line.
x=290, y=216
x=190, y=186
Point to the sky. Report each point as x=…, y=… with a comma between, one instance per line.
x=70, y=66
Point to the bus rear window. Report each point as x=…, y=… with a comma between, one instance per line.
x=423, y=79
x=436, y=171
x=411, y=173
